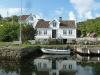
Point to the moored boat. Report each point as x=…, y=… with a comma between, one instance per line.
x=55, y=51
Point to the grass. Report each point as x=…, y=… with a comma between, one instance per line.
x=9, y=44
x=4, y=44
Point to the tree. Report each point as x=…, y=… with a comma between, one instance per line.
x=14, y=18
x=28, y=32
x=9, y=32
x=1, y=17
x=90, y=26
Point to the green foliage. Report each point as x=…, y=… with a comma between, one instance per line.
x=1, y=17
x=89, y=26
x=9, y=31
x=28, y=32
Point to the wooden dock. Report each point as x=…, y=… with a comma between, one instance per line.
x=88, y=50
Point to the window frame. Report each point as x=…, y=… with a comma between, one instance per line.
x=54, y=24
x=70, y=32
x=45, y=32
x=64, y=32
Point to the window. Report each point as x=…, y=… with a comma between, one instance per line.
x=54, y=73
x=39, y=32
x=64, y=66
x=39, y=65
x=70, y=66
x=44, y=65
x=54, y=23
x=45, y=32
x=64, y=32
x=70, y=32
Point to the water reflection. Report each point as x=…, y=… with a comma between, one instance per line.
x=52, y=65
x=88, y=58
x=55, y=66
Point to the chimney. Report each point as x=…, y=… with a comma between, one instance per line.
x=60, y=18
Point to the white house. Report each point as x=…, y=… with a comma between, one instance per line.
x=55, y=29
x=64, y=30
x=28, y=19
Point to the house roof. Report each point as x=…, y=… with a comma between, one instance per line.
x=63, y=24
x=42, y=24
x=24, y=17
x=67, y=24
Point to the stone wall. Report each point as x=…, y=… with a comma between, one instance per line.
x=10, y=52
x=17, y=53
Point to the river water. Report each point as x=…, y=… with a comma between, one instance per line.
x=52, y=65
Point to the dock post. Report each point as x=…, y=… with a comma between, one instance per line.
x=88, y=51
x=98, y=51
x=98, y=58
x=88, y=58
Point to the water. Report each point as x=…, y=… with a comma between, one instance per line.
x=52, y=65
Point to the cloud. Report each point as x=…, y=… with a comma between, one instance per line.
x=10, y=11
x=97, y=14
x=86, y=8
x=88, y=15
x=72, y=15
x=96, y=5
x=59, y=11
x=81, y=6
x=38, y=14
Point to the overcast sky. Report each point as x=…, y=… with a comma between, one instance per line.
x=50, y=9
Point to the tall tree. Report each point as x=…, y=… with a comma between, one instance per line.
x=1, y=17
x=28, y=32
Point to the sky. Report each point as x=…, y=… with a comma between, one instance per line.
x=52, y=9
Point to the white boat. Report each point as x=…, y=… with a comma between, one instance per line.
x=56, y=51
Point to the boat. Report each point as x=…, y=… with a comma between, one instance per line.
x=55, y=51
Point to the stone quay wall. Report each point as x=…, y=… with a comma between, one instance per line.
x=17, y=53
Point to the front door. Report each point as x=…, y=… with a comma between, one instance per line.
x=53, y=33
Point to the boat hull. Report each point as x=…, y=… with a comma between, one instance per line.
x=55, y=51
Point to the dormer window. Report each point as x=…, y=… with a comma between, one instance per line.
x=54, y=23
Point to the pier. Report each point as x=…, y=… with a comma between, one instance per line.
x=88, y=50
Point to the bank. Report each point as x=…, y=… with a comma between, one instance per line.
x=18, y=53
x=26, y=50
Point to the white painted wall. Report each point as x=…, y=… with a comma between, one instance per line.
x=34, y=21
x=51, y=24
x=59, y=35
x=67, y=36
x=43, y=36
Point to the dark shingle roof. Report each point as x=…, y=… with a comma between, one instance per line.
x=63, y=24
x=67, y=24
x=24, y=17
x=42, y=24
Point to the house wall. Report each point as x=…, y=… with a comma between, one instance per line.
x=42, y=35
x=59, y=35
x=57, y=24
x=32, y=21
x=67, y=36
x=59, y=31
